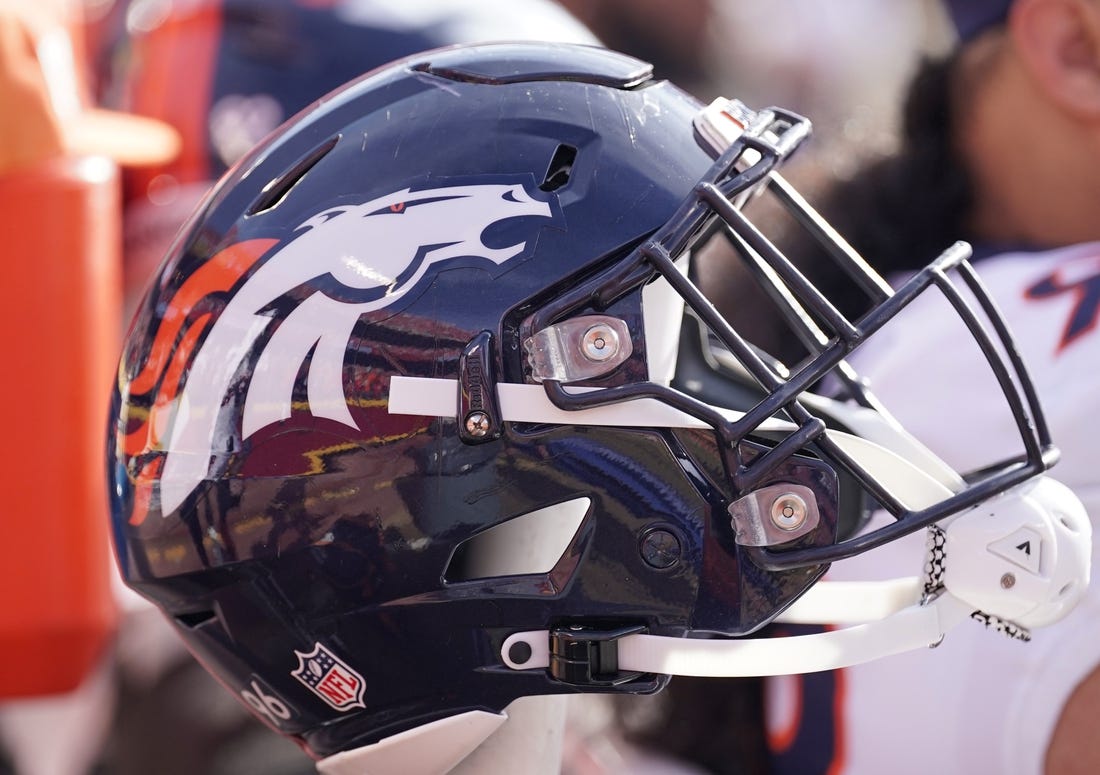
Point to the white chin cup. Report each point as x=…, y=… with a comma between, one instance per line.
x=1023, y=556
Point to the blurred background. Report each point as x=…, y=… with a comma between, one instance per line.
x=220, y=75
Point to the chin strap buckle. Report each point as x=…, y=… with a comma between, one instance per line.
x=582, y=656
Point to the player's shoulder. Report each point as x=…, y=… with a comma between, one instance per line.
x=1057, y=289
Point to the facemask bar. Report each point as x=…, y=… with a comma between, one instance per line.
x=743, y=168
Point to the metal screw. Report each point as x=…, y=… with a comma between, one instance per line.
x=600, y=343
x=788, y=511
x=1008, y=581
x=660, y=549
x=477, y=424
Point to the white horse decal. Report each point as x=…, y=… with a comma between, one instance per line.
x=380, y=249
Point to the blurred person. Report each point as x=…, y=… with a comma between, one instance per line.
x=1002, y=148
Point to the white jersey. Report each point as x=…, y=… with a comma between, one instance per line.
x=979, y=702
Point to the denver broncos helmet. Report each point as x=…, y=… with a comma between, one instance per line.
x=399, y=434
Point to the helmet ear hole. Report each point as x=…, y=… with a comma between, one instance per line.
x=532, y=543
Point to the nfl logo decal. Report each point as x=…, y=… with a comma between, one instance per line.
x=330, y=678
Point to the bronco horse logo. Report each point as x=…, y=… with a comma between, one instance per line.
x=369, y=256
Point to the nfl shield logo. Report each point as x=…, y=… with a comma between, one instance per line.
x=330, y=678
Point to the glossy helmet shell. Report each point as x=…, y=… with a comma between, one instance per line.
x=285, y=532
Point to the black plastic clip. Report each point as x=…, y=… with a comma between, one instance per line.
x=582, y=656
x=478, y=410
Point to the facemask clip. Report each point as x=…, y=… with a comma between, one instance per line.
x=579, y=348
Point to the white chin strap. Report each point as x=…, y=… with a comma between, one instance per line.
x=905, y=625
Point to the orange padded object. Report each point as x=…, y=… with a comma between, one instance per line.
x=59, y=339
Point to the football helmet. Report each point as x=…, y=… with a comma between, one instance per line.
x=398, y=435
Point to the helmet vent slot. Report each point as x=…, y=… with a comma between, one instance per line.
x=275, y=191
x=529, y=544
x=561, y=166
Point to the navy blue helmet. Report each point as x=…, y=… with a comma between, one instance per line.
x=402, y=430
